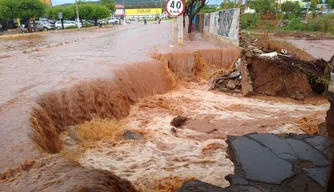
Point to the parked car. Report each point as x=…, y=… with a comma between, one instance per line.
x=113, y=20
x=67, y=24
x=42, y=26
x=127, y=21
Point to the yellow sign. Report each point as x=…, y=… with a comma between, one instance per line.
x=153, y=11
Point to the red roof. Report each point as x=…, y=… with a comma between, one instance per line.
x=119, y=6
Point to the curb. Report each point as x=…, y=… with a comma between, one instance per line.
x=53, y=31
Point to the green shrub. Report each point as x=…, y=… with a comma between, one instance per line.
x=71, y=27
x=249, y=21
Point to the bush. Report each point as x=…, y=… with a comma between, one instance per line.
x=71, y=27
x=249, y=21
x=296, y=24
x=323, y=23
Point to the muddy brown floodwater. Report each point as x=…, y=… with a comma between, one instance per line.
x=317, y=48
x=77, y=100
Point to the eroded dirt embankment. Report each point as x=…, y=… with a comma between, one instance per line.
x=100, y=98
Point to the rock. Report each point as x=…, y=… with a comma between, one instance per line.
x=297, y=96
x=178, y=121
x=173, y=130
x=230, y=84
x=306, y=152
x=322, y=129
x=318, y=174
x=269, y=168
x=246, y=87
x=199, y=186
x=234, y=74
x=236, y=179
x=130, y=135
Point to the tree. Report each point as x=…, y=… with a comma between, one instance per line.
x=290, y=7
x=86, y=10
x=330, y=3
x=100, y=12
x=52, y=12
x=192, y=11
x=24, y=9
x=263, y=6
x=110, y=4
x=227, y=4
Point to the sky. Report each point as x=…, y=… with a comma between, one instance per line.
x=57, y=2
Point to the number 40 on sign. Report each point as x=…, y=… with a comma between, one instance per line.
x=175, y=7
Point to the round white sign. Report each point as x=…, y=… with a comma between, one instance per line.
x=175, y=7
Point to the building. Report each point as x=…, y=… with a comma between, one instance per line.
x=48, y=2
x=140, y=13
x=119, y=12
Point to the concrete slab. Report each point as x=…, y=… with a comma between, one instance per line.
x=318, y=174
x=199, y=186
x=319, y=142
x=306, y=152
x=277, y=145
x=259, y=163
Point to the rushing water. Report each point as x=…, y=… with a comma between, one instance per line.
x=112, y=76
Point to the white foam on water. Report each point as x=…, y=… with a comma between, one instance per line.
x=183, y=154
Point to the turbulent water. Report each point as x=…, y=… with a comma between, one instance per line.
x=144, y=98
x=85, y=118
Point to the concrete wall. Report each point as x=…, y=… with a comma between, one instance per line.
x=223, y=24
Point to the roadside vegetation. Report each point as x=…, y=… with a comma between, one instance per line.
x=29, y=10
x=288, y=16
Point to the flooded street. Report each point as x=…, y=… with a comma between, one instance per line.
x=317, y=48
x=25, y=76
x=105, y=98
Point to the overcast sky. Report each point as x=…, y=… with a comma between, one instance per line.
x=57, y=2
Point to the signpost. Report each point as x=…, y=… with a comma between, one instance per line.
x=175, y=8
x=60, y=16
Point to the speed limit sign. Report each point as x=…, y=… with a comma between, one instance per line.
x=175, y=7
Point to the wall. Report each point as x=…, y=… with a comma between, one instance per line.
x=223, y=24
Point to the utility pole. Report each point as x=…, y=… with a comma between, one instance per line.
x=77, y=8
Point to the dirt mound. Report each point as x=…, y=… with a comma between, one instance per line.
x=287, y=76
x=277, y=78
x=100, y=98
x=58, y=174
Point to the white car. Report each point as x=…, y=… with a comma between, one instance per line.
x=67, y=24
x=113, y=20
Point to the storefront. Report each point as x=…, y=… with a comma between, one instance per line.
x=139, y=13
x=119, y=12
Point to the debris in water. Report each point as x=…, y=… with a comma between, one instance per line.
x=178, y=121
x=130, y=135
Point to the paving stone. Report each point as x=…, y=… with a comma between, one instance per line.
x=318, y=174
x=306, y=152
x=277, y=145
x=259, y=163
